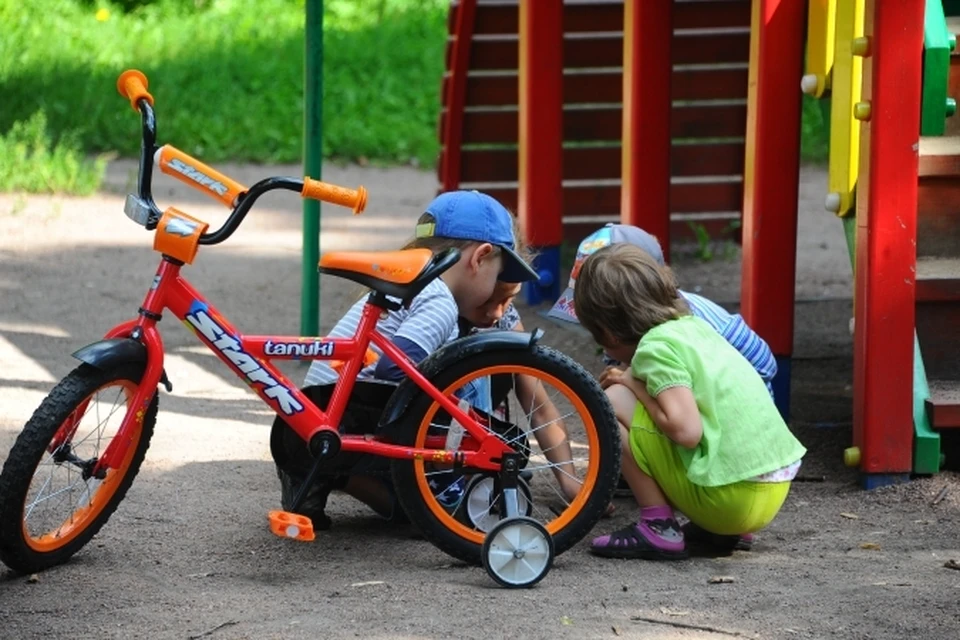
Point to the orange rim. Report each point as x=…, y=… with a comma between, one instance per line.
x=80, y=519
x=568, y=514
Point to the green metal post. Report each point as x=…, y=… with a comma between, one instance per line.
x=312, y=165
x=936, y=105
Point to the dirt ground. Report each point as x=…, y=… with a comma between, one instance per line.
x=188, y=553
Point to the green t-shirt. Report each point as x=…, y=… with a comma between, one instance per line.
x=743, y=433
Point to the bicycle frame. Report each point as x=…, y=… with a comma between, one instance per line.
x=249, y=358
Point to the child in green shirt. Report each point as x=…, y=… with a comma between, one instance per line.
x=700, y=432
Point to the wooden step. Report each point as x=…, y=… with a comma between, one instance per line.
x=943, y=407
x=938, y=279
x=939, y=156
x=938, y=196
x=938, y=315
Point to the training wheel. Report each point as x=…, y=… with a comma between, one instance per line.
x=484, y=516
x=517, y=552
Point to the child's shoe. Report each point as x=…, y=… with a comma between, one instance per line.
x=716, y=543
x=312, y=505
x=649, y=539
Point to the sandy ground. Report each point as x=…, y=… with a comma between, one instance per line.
x=188, y=553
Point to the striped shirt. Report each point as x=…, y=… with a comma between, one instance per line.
x=735, y=330
x=430, y=322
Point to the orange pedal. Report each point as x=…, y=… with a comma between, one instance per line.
x=291, y=525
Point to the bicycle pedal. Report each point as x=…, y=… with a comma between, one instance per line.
x=291, y=525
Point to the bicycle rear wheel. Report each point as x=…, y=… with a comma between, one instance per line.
x=572, y=452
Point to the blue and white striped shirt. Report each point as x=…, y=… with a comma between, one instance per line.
x=430, y=322
x=735, y=330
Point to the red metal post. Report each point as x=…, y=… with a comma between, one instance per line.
x=886, y=237
x=540, y=190
x=452, y=134
x=771, y=179
x=645, y=167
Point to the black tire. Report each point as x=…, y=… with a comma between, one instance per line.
x=31, y=446
x=441, y=532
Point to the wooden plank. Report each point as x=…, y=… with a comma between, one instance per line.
x=939, y=156
x=938, y=216
x=600, y=163
x=458, y=66
x=884, y=293
x=597, y=124
x=936, y=326
x=500, y=52
x=503, y=17
x=943, y=406
x=607, y=86
x=938, y=279
x=601, y=200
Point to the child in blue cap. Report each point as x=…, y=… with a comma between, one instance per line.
x=483, y=230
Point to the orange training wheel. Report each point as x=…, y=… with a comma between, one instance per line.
x=132, y=85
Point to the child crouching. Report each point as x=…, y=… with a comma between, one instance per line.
x=700, y=431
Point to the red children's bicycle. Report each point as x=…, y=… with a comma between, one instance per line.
x=529, y=495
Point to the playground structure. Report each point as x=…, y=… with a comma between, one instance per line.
x=663, y=113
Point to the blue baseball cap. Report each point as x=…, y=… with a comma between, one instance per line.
x=471, y=215
x=603, y=237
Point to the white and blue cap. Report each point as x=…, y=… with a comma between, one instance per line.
x=604, y=237
x=471, y=215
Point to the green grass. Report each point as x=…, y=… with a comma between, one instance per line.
x=34, y=163
x=228, y=78
x=815, y=130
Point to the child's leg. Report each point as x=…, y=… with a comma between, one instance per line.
x=657, y=534
x=552, y=435
x=376, y=494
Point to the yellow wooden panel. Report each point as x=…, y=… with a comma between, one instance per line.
x=821, y=41
x=845, y=93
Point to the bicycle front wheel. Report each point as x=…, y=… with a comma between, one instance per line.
x=549, y=409
x=50, y=504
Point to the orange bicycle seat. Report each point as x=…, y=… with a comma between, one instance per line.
x=395, y=267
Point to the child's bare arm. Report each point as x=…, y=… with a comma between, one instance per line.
x=675, y=410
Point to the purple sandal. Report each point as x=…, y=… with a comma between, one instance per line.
x=648, y=539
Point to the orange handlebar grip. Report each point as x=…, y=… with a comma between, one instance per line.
x=352, y=199
x=132, y=85
x=198, y=175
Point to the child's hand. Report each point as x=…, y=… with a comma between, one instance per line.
x=611, y=376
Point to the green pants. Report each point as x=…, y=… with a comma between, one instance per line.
x=732, y=509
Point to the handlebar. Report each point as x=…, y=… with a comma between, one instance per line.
x=132, y=85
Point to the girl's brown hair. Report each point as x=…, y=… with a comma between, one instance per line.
x=621, y=293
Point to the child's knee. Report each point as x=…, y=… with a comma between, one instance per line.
x=624, y=403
